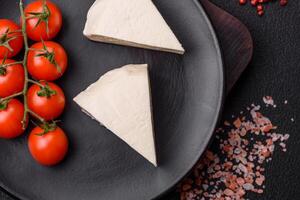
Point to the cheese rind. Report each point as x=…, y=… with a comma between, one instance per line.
x=121, y=101
x=135, y=23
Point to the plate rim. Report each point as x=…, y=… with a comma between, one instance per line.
x=16, y=195
x=220, y=100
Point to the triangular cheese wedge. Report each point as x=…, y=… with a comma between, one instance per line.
x=121, y=101
x=135, y=23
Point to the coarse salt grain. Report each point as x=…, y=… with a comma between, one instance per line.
x=248, y=186
x=245, y=146
x=268, y=100
x=228, y=192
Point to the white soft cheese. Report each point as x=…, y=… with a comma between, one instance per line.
x=135, y=23
x=121, y=101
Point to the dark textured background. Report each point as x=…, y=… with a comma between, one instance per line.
x=274, y=71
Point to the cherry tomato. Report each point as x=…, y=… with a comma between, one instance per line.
x=11, y=41
x=47, y=63
x=48, y=148
x=11, y=78
x=11, y=117
x=38, y=14
x=48, y=102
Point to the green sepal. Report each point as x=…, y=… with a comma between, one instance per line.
x=50, y=56
x=5, y=39
x=42, y=16
x=2, y=71
x=46, y=91
x=47, y=127
x=4, y=104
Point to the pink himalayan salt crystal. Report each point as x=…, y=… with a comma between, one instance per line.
x=260, y=180
x=246, y=146
x=268, y=100
x=228, y=192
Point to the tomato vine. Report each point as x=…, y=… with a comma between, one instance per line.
x=3, y=101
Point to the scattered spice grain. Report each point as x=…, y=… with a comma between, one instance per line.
x=244, y=145
x=259, y=4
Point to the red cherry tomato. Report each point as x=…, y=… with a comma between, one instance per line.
x=49, y=64
x=49, y=148
x=38, y=13
x=11, y=78
x=11, y=41
x=11, y=119
x=48, y=103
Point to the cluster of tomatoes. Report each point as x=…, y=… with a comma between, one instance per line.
x=45, y=61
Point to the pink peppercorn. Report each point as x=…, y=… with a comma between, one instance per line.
x=283, y=2
x=260, y=13
x=254, y=2
x=243, y=2
x=259, y=6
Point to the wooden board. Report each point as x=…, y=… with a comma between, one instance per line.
x=237, y=49
x=235, y=41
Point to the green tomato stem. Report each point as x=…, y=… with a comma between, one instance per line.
x=11, y=96
x=10, y=64
x=36, y=82
x=27, y=80
x=36, y=116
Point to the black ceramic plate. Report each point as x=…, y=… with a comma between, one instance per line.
x=187, y=97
